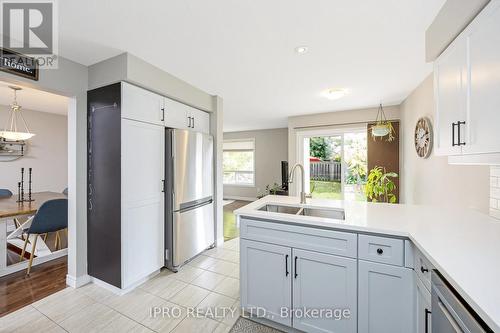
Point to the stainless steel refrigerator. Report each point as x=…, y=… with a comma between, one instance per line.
x=189, y=184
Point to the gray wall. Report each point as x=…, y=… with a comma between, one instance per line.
x=47, y=153
x=433, y=181
x=271, y=147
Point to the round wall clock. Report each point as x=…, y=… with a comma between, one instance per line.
x=423, y=137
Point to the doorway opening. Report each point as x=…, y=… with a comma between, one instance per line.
x=38, y=168
x=335, y=162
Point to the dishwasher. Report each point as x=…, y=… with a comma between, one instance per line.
x=450, y=313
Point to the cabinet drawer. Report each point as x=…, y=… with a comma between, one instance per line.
x=423, y=269
x=319, y=240
x=381, y=249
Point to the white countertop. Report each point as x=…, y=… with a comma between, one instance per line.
x=464, y=245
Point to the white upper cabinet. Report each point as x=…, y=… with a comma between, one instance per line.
x=467, y=85
x=200, y=121
x=142, y=105
x=450, y=97
x=483, y=112
x=178, y=115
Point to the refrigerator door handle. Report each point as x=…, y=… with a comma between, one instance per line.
x=186, y=206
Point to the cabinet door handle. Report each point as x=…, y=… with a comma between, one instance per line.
x=453, y=144
x=459, y=125
x=380, y=251
x=163, y=185
x=189, y=122
x=423, y=270
x=426, y=323
x=193, y=122
x=295, y=267
x=286, y=265
x=162, y=114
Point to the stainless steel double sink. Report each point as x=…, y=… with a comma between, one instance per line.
x=330, y=213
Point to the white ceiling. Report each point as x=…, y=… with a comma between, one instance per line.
x=33, y=99
x=243, y=50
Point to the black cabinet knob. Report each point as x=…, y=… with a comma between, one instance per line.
x=380, y=251
x=423, y=270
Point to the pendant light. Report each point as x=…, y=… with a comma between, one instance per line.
x=382, y=127
x=13, y=130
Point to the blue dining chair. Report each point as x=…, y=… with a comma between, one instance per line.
x=5, y=193
x=52, y=216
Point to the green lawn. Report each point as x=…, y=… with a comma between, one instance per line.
x=332, y=190
x=326, y=190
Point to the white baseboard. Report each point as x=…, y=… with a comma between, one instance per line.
x=119, y=291
x=234, y=197
x=77, y=282
x=220, y=241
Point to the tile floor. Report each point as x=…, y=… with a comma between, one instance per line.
x=209, y=281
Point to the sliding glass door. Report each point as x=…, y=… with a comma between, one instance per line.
x=335, y=162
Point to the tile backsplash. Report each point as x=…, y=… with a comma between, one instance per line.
x=495, y=191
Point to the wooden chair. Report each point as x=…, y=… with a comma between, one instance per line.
x=52, y=216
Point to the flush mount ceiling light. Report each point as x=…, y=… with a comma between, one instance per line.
x=301, y=49
x=335, y=93
x=16, y=128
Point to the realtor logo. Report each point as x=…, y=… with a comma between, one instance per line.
x=30, y=28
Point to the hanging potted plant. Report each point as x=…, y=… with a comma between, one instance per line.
x=382, y=126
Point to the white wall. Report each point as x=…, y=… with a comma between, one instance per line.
x=433, y=181
x=47, y=153
x=271, y=147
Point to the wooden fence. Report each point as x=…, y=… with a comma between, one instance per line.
x=326, y=171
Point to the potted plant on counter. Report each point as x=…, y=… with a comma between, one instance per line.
x=380, y=185
x=270, y=189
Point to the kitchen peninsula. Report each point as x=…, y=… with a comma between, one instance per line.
x=380, y=244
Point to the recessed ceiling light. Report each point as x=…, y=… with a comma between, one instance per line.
x=335, y=93
x=301, y=49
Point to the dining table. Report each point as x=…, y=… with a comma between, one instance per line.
x=10, y=209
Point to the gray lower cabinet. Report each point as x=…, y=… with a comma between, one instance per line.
x=385, y=302
x=324, y=281
x=266, y=279
x=423, y=308
x=273, y=275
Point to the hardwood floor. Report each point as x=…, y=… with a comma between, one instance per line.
x=18, y=290
x=230, y=229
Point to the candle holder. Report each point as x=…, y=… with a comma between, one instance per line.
x=29, y=186
x=22, y=185
x=19, y=199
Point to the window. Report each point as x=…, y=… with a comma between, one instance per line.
x=238, y=162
